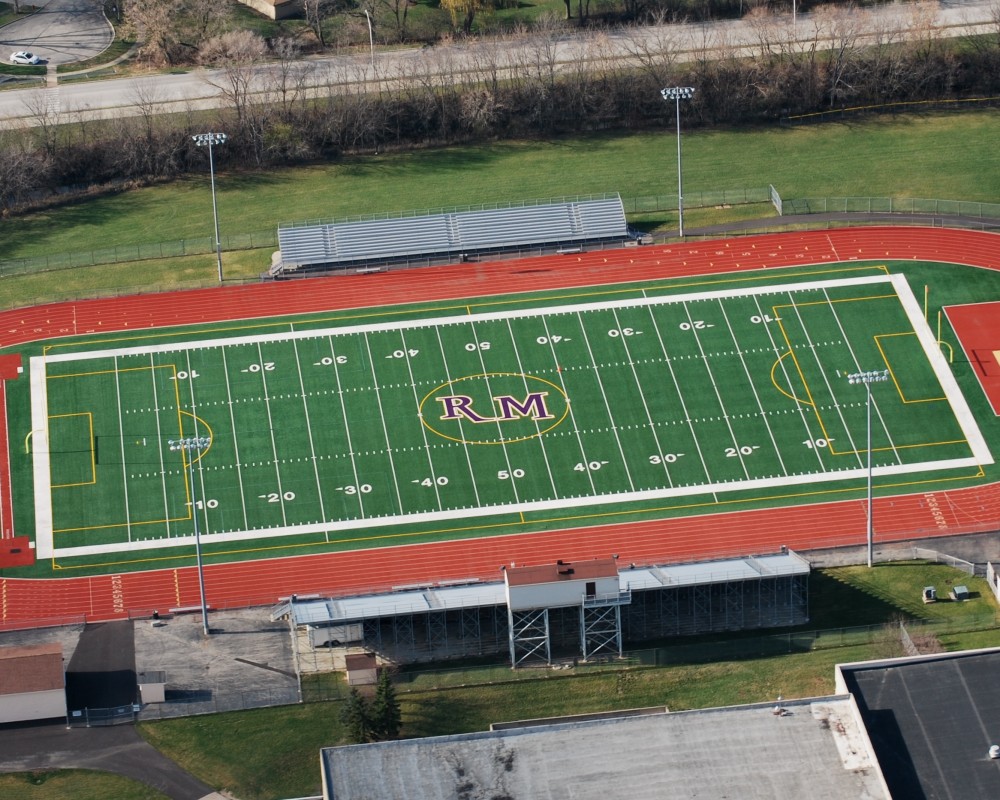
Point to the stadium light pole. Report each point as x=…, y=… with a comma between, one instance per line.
x=867, y=379
x=208, y=140
x=371, y=37
x=194, y=445
x=678, y=93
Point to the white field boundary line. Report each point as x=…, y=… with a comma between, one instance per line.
x=959, y=406
x=402, y=325
x=512, y=508
x=980, y=451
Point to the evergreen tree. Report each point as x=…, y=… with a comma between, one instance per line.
x=357, y=717
x=386, y=717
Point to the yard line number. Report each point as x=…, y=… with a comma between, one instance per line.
x=277, y=497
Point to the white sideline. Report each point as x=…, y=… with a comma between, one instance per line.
x=41, y=470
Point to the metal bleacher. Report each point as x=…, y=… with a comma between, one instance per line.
x=556, y=224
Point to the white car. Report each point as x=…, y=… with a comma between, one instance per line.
x=24, y=57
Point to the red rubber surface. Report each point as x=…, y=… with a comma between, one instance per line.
x=977, y=327
x=25, y=602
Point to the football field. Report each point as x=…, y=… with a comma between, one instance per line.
x=342, y=433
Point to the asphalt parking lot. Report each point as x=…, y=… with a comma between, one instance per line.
x=62, y=32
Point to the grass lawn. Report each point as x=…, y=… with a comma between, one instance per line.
x=902, y=157
x=73, y=784
x=271, y=753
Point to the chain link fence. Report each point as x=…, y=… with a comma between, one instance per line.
x=321, y=688
x=633, y=205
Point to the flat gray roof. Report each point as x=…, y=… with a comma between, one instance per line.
x=815, y=750
x=444, y=597
x=932, y=720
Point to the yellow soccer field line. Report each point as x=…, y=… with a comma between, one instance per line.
x=832, y=302
x=810, y=401
x=109, y=371
x=774, y=380
x=805, y=384
x=93, y=455
x=112, y=525
x=892, y=374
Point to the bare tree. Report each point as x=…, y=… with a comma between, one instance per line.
x=398, y=10
x=239, y=55
x=206, y=18
x=19, y=171
x=465, y=10
x=154, y=24
x=285, y=81
x=318, y=11
x=841, y=26
x=654, y=48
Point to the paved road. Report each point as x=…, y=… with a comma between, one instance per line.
x=119, y=749
x=63, y=32
x=203, y=89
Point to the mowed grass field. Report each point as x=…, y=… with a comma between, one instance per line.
x=477, y=419
x=911, y=156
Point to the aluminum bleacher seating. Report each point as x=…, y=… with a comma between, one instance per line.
x=564, y=224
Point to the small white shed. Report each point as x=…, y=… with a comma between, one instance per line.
x=362, y=669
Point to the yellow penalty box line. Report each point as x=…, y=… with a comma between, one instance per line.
x=892, y=374
x=809, y=401
x=90, y=441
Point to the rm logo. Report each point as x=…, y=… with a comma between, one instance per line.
x=506, y=407
x=494, y=408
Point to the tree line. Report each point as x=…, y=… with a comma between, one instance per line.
x=505, y=87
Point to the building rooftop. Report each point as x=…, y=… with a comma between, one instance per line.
x=932, y=720
x=31, y=668
x=562, y=571
x=815, y=750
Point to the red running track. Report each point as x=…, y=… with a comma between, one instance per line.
x=26, y=602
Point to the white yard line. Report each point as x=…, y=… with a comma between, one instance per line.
x=385, y=428
x=538, y=427
x=753, y=387
x=236, y=439
x=203, y=495
x=270, y=429
x=489, y=391
x=159, y=447
x=680, y=396
x=312, y=446
x=461, y=424
x=780, y=349
x=737, y=445
x=838, y=408
x=121, y=438
x=347, y=431
x=607, y=404
x=40, y=466
x=572, y=412
x=859, y=367
x=423, y=428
